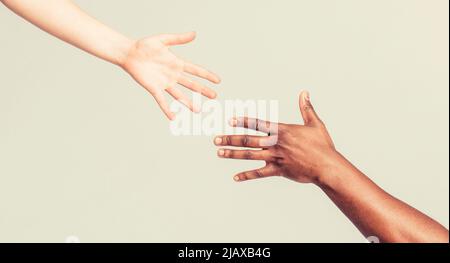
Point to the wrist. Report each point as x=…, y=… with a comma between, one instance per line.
x=121, y=50
x=332, y=171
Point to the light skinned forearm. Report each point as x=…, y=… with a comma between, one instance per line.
x=376, y=213
x=66, y=21
x=149, y=61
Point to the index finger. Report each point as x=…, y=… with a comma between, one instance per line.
x=255, y=124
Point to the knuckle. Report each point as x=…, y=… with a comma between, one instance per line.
x=245, y=140
x=243, y=176
x=227, y=140
x=278, y=160
x=257, y=124
x=250, y=123
x=248, y=154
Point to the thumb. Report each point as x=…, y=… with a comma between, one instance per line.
x=178, y=39
x=310, y=117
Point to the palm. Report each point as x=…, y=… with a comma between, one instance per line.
x=151, y=63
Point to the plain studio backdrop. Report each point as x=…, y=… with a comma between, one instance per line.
x=86, y=152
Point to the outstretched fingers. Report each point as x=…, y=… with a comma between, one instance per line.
x=245, y=154
x=266, y=171
x=181, y=97
x=201, y=72
x=161, y=100
x=197, y=87
x=255, y=124
x=250, y=141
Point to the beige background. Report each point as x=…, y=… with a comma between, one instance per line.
x=84, y=151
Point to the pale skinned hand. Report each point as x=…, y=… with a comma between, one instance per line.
x=302, y=153
x=151, y=63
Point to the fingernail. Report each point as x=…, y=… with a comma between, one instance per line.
x=307, y=97
x=221, y=152
x=233, y=122
x=218, y=140
x=236, y=178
